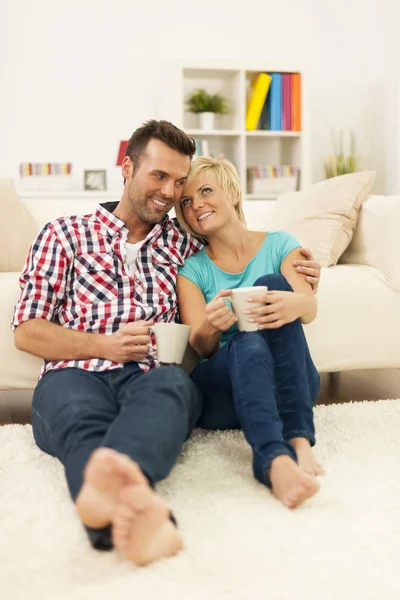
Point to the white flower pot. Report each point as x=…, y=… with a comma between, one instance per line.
x=207, y=121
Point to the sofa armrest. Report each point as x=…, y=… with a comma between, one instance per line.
x=18, y=370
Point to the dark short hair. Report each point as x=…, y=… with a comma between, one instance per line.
x=164, y=131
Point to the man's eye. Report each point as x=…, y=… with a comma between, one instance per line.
x=160, y=176
x=179, y=183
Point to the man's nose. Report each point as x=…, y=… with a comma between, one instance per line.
x=168, y=189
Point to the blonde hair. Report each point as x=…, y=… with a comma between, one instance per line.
x=227, y=178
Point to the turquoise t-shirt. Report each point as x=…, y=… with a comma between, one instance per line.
x=200, y=269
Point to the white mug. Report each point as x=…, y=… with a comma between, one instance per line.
x=171, y=341
x=239, y=304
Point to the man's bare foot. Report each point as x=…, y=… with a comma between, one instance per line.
x=106, y=474
x=142, y=530
x=305, y=457
x=289, y=483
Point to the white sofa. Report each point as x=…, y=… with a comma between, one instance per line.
x=358, y=323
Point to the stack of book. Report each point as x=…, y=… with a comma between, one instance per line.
x=274, y=102
x=272, y=179
x=45, y=176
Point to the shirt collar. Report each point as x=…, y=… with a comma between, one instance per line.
x=106, y=217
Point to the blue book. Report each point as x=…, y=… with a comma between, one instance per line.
x=275, y=94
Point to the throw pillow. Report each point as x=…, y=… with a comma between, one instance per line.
x=324, y=216
x=376, y=241
x=17, y=228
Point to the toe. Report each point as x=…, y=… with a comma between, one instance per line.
x=136, y=497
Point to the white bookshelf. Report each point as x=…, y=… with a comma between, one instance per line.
x=244, y=148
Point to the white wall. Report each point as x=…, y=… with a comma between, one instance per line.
x=79, y=76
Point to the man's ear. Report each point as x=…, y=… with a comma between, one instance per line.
x=127, y=167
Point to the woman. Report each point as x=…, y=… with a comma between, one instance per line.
x=263, y=381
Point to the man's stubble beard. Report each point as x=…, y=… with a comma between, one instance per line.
x=139, y=205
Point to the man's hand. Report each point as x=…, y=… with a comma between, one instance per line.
x=130, y=343
x=310, y=267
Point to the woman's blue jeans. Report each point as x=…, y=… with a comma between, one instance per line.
x=264, y=382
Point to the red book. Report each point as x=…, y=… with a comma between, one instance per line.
x=121, y=152
x=286, y=101
x=296, y=102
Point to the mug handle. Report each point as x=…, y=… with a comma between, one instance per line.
x=231, y=305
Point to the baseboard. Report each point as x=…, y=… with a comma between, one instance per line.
x=15, y=406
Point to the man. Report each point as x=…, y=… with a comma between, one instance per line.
x=91, y=287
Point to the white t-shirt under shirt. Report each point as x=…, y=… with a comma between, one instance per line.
x=132, y=250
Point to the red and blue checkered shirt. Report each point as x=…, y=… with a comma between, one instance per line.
x=76, y=275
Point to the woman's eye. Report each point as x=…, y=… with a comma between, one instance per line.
x=185, y=201
x=206, y=190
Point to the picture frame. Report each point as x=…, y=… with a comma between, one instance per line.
x=95, y=180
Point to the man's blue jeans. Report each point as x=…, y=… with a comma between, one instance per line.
x=147, y=416
x=264, y=382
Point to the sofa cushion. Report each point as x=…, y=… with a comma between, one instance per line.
x=376, y=241
x=358, y=321
x=17, y=228
x=342, y=337
x=324, y=216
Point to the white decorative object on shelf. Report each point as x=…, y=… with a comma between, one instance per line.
x=229, y=136
x=37, y=183
x=273, y=185
x=207, y=121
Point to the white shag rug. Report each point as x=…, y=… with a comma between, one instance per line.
x=240, y=542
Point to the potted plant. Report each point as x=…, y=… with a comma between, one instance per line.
x=207, y=106
x=341, y=163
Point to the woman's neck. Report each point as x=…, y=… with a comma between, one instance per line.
x=230, y=241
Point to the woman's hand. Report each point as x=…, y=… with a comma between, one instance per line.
x=281, y=308
x=219, y=316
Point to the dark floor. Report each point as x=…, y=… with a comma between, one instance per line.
x=339, y=387
x=360, y=385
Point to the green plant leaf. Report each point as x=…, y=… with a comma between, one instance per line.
x=200, y=101
x=341, y=162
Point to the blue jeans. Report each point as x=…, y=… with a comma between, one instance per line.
x=147, y=416
x=264, y=382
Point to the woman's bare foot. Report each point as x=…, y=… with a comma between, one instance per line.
x=289, y=483
x=142, y=530
x=106, y=474
x=305, y=457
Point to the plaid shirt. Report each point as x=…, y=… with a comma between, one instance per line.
x=76, y=275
